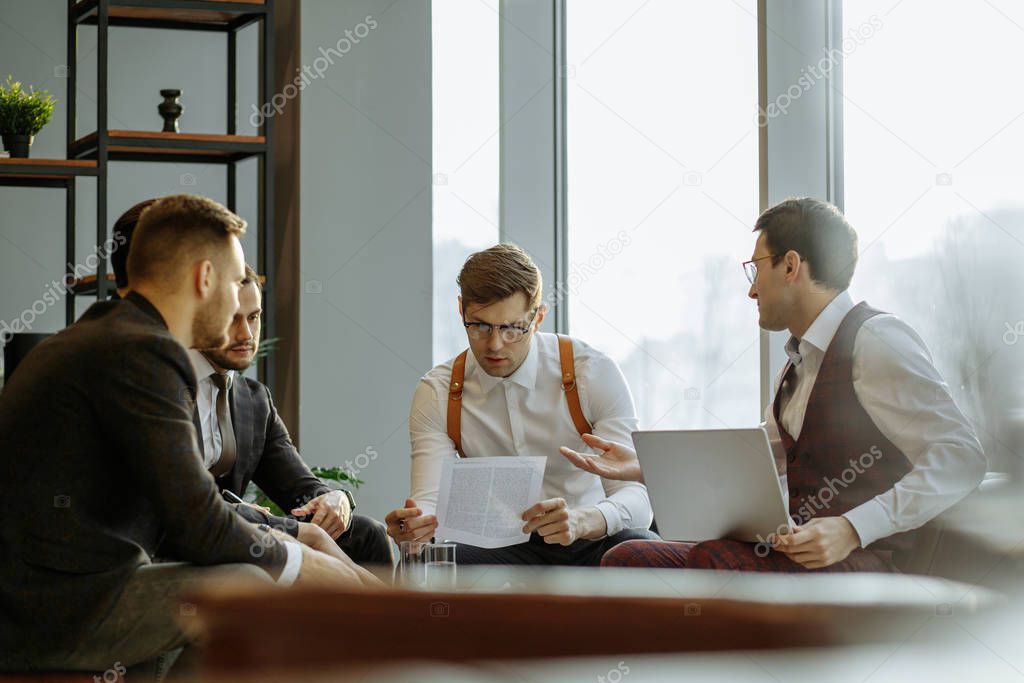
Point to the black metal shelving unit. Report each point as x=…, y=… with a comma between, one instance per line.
x=92, y=153
x=58, y=173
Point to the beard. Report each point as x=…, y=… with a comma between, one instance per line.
x=210, y=327
x=222, y=359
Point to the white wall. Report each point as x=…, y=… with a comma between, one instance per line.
x=366, y=240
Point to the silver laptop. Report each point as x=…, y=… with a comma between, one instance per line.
x=708, y=484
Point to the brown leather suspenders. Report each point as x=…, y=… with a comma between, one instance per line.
x=455, y=402
x=572, y=394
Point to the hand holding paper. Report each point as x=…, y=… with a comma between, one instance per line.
x=481, y=500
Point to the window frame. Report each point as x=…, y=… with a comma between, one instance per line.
x=533, y=169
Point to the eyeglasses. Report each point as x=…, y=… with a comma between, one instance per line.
x=510, y=334
x=750, y=267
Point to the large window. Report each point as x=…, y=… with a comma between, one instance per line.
x=934, y=133
x=465, y=91
x=662, y=196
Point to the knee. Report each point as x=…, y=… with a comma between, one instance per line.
x=626, y=554
x=720, y=554
x=378, y=533
x=369, y=527
x=372, y=541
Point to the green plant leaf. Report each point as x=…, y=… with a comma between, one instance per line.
x=267, y=347
x=23, y=112
x=331, y=476
x=338, y=474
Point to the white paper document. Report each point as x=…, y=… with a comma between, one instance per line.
x=482, y=500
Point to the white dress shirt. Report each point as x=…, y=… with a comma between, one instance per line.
x=906, y=398
x=527, y=414
x=206, y=405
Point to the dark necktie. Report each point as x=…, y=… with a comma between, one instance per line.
x=788, y=386
x=228, y=449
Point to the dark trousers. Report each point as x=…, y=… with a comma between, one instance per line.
x=144, y=633
x=581, y=553
x=366, y=541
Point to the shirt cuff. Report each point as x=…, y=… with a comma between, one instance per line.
x=612, y=517
x=291, y=565
x=870, y=521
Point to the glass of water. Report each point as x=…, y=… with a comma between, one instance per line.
x=440, y=566
x=411, y=571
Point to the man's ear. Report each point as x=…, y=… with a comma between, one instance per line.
x=541, y=311
x=793, y=265
x=461, y=314
x=205, y=277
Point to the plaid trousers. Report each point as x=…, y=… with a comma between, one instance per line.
x=733, y=555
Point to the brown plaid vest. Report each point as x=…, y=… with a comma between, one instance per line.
x=841, y=458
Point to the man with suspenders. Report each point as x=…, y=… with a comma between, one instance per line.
x=518, y=391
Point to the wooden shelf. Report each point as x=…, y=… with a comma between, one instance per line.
x=43, y=172
x=222, y=17
x=87, y=285
x=197, y=15
x=137, y=145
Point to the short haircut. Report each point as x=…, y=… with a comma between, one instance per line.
x=251, y=276
x=497, y=273
x=122, y=235
x=816, y=230
x=175, y=232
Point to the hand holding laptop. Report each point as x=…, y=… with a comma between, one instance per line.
x=820, y=542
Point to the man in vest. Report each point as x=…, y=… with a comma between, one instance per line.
x=868, y=441
x=517, y=392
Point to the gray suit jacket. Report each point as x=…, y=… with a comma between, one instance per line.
x=99, y=464
x=266, y=455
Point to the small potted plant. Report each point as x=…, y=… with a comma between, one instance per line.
x=22, y=115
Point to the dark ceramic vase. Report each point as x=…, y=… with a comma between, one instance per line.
x=170, y=109
x=18, y=145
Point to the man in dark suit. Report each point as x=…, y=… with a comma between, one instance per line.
x=99, y=463
x=258, y=447
x=266, y=453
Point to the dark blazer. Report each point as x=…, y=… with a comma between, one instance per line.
x=266, y=454
x=99, y=463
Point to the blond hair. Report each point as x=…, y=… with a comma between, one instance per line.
x=498, y=273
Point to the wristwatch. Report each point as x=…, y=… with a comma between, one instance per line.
x=351, y=499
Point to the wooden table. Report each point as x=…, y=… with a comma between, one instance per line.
x=508, y=614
